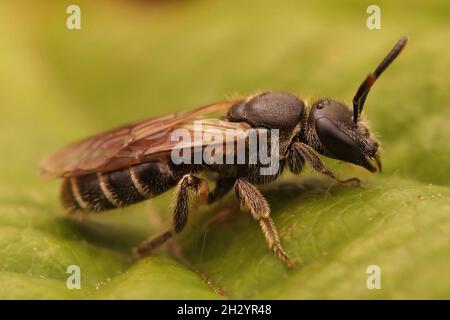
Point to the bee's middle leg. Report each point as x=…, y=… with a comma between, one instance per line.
x=188, y=185
x=250, y=196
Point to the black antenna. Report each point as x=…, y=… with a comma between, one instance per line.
x=364, y=88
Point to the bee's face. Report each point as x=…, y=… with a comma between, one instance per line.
x=340, y=138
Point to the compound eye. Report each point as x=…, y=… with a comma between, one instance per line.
x=332, y=110
x=336, y=142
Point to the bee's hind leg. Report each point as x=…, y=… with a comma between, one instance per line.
x=187, y=186
x=250, y=196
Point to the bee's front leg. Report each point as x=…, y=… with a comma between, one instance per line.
x=250, y=196
x=308, y=153
x=186, y=186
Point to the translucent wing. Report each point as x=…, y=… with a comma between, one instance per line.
x=212, y=138
x=144, y=141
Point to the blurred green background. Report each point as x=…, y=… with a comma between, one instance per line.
x=134, y=59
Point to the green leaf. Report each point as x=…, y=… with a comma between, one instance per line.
x=133, y=61
x=335, y=234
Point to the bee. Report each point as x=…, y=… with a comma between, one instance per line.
x=135, y=162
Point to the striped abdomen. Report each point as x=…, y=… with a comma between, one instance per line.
x=105, y=191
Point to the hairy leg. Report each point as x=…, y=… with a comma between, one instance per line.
x=310, y=155
x=186, y=186
x=294, y=159
x=250, y=196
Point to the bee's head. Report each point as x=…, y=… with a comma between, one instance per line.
x=340, y=138
x=339, y=133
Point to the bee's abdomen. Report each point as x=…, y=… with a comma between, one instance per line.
x=105, y=191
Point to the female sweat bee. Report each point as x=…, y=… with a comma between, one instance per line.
x=136, y=162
